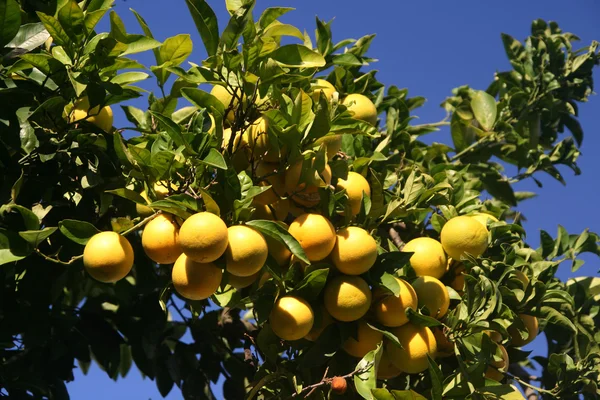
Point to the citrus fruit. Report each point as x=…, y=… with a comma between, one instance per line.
x=361, y=107
x=261, y=145
x=531, y=324
x=227, y=99
x=315, y=234
x=194, y=280
x=339, y=385
x=432, y=294
x=240, y=157
x=417, y=342
x=306, y=193
x=366, y=340
x=497, y=368
x=203, y=237
x=428, y=259
x=355, y=251
x=101, y=117
x=322, y=86
x=322, y=321
x=247, y=251
x=240, y=282
x=160, y=239
x=484, y=218
x=108, y=257
x=355, y=185
x=391, y=310
x=279, y=251
x=387, y=370
x=277, y=211
x=291, y=318
x=333, y=143
x=269, y=174
x=347, y=298
x=462, y=235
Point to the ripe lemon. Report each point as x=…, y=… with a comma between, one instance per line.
x=279, y=251
x=532, y=326
x=161, y=190
x=361, y=108
x=247, y=251
x=458, y=283
x=291, y=318
x=347, y=298
x=240, y=282
x=333, y=143
x=277, y=211
x=322, y=86
x=306, y=193
x=102, y=118
x=194, y=280
x=445, y=347
x=497, y=369
x=366, y=340
x=355, y=185
x=315, y=234
x=416, y=343
x=260, y=144
x=386, y=369
x=391, y=310
x=320, y=325
x=355, y=251
x=432, y=294
x=203, y=237
x=240, y=159
x=269, y=174
x=462, y=235
x=223, y=95
x=108, y=257
x=484, y=218
x=160, y=239
x=428, y=259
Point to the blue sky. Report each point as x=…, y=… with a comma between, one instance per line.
x=429, y=48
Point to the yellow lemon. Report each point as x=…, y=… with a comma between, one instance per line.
x=428, y=259
x=306, y=193
x=497, y=369
x=315, y=234
x=227, y=99
x=108, y=257
x=462, y=235
x=203, y=237
x=347, y=298
x=240, y=282
x=532, y=326
x=355, y=251
x=484, y=218
x=160, y=239
x=291, y=318
x=333, y=144
x=366, y=340
x=269, y=174
x=417, y=342
x=355, y=185
x=361, y=107
x=387, y=369
x=322, y=86
x=432, y=294
x=240, y=158
x=101, y=117
x=277, y=211
x=247, y=251
x=391, y=310
x=320, y=325
x=260, y=144
x=194, y=280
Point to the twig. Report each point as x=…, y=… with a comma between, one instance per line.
x=523, y=377
x=57, y=260
x=396, y=238
x=139, y=224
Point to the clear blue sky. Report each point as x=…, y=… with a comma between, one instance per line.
x=429, y=48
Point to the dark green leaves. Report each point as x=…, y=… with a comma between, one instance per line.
x=215, y=159
x=206, y=23
x=78, y=231
x=313, y=283
x=12, y=247
x=277, y=232
x=71, y=19
x=10, y=20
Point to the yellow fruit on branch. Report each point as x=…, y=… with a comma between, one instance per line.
x=268, y=174
x=319, y=325
x=531, y=324
x=160, y=239
x=347, y=298
x=279, y=251
x=387, y=369
x=261, y=145
x=161, y=190
x=462, y=235
x=322, y=86
x=458, y=282
x=291, y=318
x=306, y=193
x=108, y=257
x=240, y=282
x=227, y=99
x=247, y=251
x=444, y=346
x=432, y=294
x=391, y=310
x=417, y=342
x=355, y=185
x=428, y=259
x=497, y=368
x=277, y=211
x=194, y=280
x=484, y=218
x=315, y=234
x=101, y=117
x=333, y=144
x=203, y=237
x=355, y=251
x=240, y=157
x=366, y=340
x=361, y=107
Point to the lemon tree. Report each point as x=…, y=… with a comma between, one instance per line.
x=276, y=204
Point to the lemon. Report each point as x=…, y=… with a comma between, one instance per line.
x=484, y=218
x=260, y=144
x=355, y=251
x=366, y=340
x=306, y=193
x=227, y=99
x=203, y=237
x=315, y=234
x=497, y=369
x=428, y=259
x=391, y=310
x=347, y=298
x=108, y=257
x=432, y=294
x=101, y=117
x=277, y=211
x=333, y=144
x=240, y=282
x=355, y=185
x=291, y=318
x=269, y=174
x=160, y=239
x=247, y=251
x=462, y=235
x=361, y=107
x=322, y=86
x=532, y=326
x=194, y=280
x=417, y=342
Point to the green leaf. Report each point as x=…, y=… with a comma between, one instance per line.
x=78, y=231
x=419, y=319
x=173, y=52
x=313, y=283
x=29, y=37
x=210, y=204
x=407, y=395
x=366, y=381
x=461, y=136
x=215, y=159
x=34, y=238
x=92, y=19
x=296, y=55
x=95, y=5
x=10, y=21
x=235, y=27
x=72, y=20
x=30, y=220
x=54, y=28
x=279, y=233
x=389, y=282
x=127, y=78
x=271, y=14
x=173, y=130
x=206, y=23
x=202, y=99
x=382, y=394
x=129, y=195
x=279, y=29
x=12, y=247
x=437, y=379
x=484, y=109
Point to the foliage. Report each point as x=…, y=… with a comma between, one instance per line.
x=64, y=181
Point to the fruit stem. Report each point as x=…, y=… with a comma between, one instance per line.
x=139, y=224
